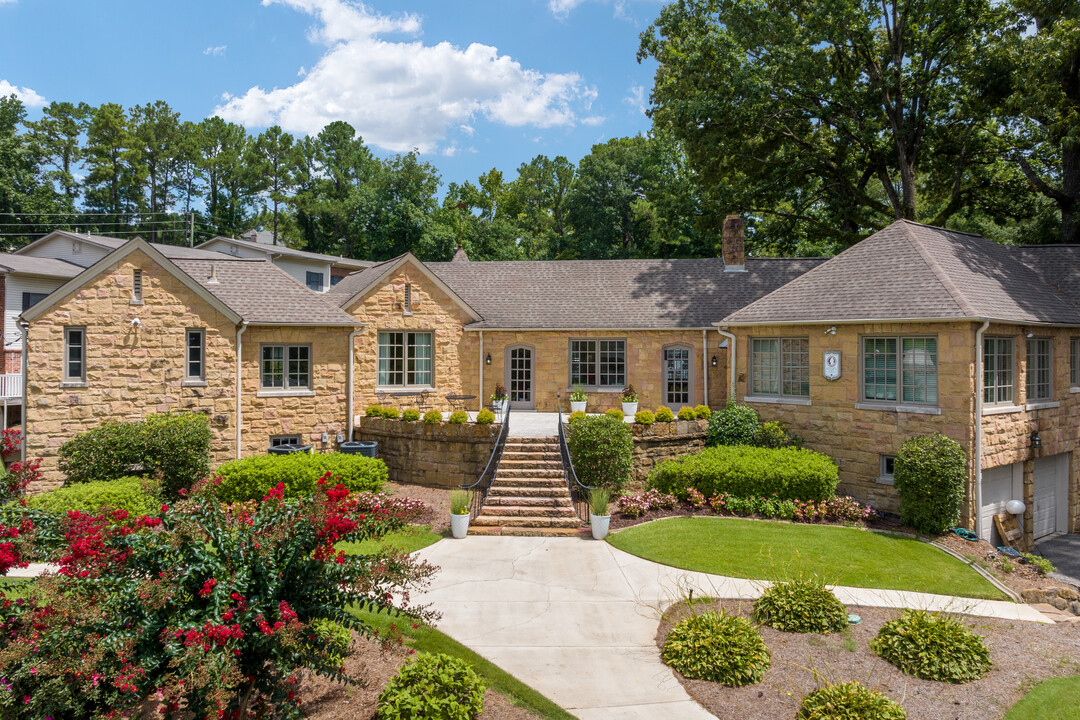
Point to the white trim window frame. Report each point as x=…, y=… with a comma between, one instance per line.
x=285, y=367
x=999, y=371
x=1074, y=363
x=780, y=367
x=597, y=363
x=406, y=359
x=1040, y=369
x=75, y=354
x=195, y=355
x=898, y=370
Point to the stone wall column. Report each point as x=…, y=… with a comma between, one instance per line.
x=1029, y=502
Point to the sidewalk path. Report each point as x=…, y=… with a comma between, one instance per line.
x=576, y=619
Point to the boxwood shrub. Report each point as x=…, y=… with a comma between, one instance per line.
x=458, y=417
x=744, y=471
x=136, y=495
x=849, y=701
x=932, y=647
x=433, y=687
x=664, y=414
x=485, y=417
x=687, y=413
x=644, y=417
x=718, y=647
x=410, y=415
x=703, y=412
x=253, y=477
x=930, y=476
x=602, y=450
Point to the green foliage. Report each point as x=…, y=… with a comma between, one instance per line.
x=335, y=637
x=801, y=606
x=598, y=500
x=664, y=414
x=433, y=687
x=485, y=417
x=789, y=473
x=644, y=417
x=1044, y=566
x=174, y=446
x=459, y=501
x=930, y=476
x=849, y=701
x=253, y=477
x=602, y=450
x=775, y=434
x=373, y=411
x=136, y=495
x=734, y=425
x=391, y=413
x=616, y=413
x=575, y=416
x=458, y=417
x=410, y=415
x=629, y=394
x=432, y=417
x=703, y=412
x=932, y=647
x=718, y=647
x=578, y=394
x=687, y=413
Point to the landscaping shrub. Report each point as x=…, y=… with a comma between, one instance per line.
x=849, y=701
x=616, y=413
x=335, y=637
x=734, y=425
x=602, y=450
x=686, y=413
x=664, y=414
x=696, y=499
x=703, y=412
x=768, y=507
x=575, y=416
x=458, y=417
x=930, y=476
x=1041, y=564
x=410, y=415
x=433, y=687
x=253, y=477
x=718, y=647
x=774, y=434
x=136, y=495
x=637, y=505
x=932, y=647
x=17, y=478
x=391, y=413
x=174, y=445
x=801, y=606
x=839, y=508
x=373, y=411
x=432, y=417
x=789, y=473
x=485, y=417
x=644, y=417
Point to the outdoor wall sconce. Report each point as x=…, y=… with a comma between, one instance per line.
x=830, y=331
x=1036, y=441
x=714, y=361
x=487, y=360
x=1029, y=334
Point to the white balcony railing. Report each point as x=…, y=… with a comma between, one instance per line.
x=11, y=385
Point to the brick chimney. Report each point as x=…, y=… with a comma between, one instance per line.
x=734, y=244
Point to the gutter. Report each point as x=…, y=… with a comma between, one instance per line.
x=25, y=343
x=979, y=425
x=731, y=358
x=239, y=366
x=352, y=359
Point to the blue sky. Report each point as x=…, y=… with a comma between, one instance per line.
x=472, y=85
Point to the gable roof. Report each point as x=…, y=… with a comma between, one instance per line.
x=910, y=271
x=288, y=252
x=46, y=267
x=111, y=243
x=354, y=286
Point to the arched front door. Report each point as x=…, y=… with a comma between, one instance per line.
x=519, y=377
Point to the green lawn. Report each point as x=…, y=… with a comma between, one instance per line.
x=427, y=639
x=784, y=551
x=1058, y=699
x=410, y=539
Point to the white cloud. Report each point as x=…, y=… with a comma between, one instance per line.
x=216, y=50
x=562, y=8
x=402, y=95
x=636, y=98
x=29, y=97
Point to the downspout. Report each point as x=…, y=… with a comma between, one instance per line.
x=25, y=343
x=978, y=425
x=705, y=362
x=480, y=390
x=239, y=367
x=352, y=359
x=731, y=358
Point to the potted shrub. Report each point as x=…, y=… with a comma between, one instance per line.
x=459, y=513
x=599, y=518
x=629, y=400
x=499, y=399
x=578, y=399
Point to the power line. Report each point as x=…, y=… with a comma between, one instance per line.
x=80, y=212
x=114, y=234
x=95, y=224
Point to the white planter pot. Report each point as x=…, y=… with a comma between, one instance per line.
x=459, y=525
x=578, y=406
x=501, y=405
x=629, y=409
x=599, y=525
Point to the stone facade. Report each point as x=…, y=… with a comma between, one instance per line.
x=653, y=444
x=437, y=455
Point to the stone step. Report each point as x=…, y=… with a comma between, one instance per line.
x=530, y=491
x=529, y=482
x=528, y=472
x=531, y=447
x=486, y=520
x=555, y=500
x=512, y=462
x=529, y=511
x=529, y=531
x=531, y=456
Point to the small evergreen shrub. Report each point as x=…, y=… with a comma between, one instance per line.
x=774, y=434
x=252, y=478
x=664, y=414
x=575, y=416
x=746, y=472
x=687, y=413
x=391, y=413
x=433, y=687
x=734, y=425
x=133, y=494
x=616, y=413
x=644, y=417
x=718, y=647
x=373, y=411
x=432, y=417
x=458, y=417
x=410, y=415
x=932, y=647
x=703, y=412
x=930, y=476
x=849, y=701
x=485, y=417
x=801, y=606
x=602, y=450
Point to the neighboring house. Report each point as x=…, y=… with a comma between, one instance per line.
x=315, y=270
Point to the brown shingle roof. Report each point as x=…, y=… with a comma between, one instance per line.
x=913, y=271
x=290, y=252
x=170, y=251
x=48, y=267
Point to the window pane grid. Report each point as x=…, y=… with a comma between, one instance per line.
x=299, y=366
x=612, y=355
x=194, y=358
x=677, y=376
x=765, y=366
x=1039, y=386
x=1074, y=362
x=795, y=366
x=879, y=369
x=75, y=357
x=418, y=352
x=998, y=370
x=598, y=363
x=919, y=377
x=273, y=366
x=405, y=359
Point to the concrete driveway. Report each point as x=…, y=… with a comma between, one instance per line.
x=1064, y=552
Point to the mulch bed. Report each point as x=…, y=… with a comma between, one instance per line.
x=1023, y=655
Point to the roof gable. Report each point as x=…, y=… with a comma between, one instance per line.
x=354, y=287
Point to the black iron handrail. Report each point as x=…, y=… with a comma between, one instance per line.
x=480, y=488
x=579, y=493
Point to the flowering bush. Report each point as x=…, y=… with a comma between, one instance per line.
x=18, y=477
x=638, y=505
x=834, y=509
x=695, y=498
x=772, y=506
x=10, y=441
x=214, y=609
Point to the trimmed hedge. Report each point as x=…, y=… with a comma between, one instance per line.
x=134, y=494
x=930, y=476
x=602, y=450
x=644, y=417
x=734, y=425
x=744, y=471
x=174, y=445
x=253, y=477
x=485, y=417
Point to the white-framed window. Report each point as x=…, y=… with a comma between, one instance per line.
x=598, y=363
x=1040, y=366
x=75, y=354
x=195, y=354
x=885, y=472
x=900, y=369
x=999, y=361
x=406, y=359
x=1074, y=362
x=780, y=367
x=136, y=286
x=286, y=367
x=279, y=440
x=315, y=281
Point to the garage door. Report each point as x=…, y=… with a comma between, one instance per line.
x=999, y=486
x=1050, y=510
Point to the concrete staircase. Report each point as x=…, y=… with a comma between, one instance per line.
x=529, y=495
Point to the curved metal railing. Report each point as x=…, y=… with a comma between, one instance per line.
x=480, y=488
x=579, y=493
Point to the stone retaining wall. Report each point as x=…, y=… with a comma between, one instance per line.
x=436, y=455
x=653, y=444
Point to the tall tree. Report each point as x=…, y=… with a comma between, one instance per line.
x=109, y=186
x=230, y=185
x=276, y=164
x=56, y=139
x=155, y=137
